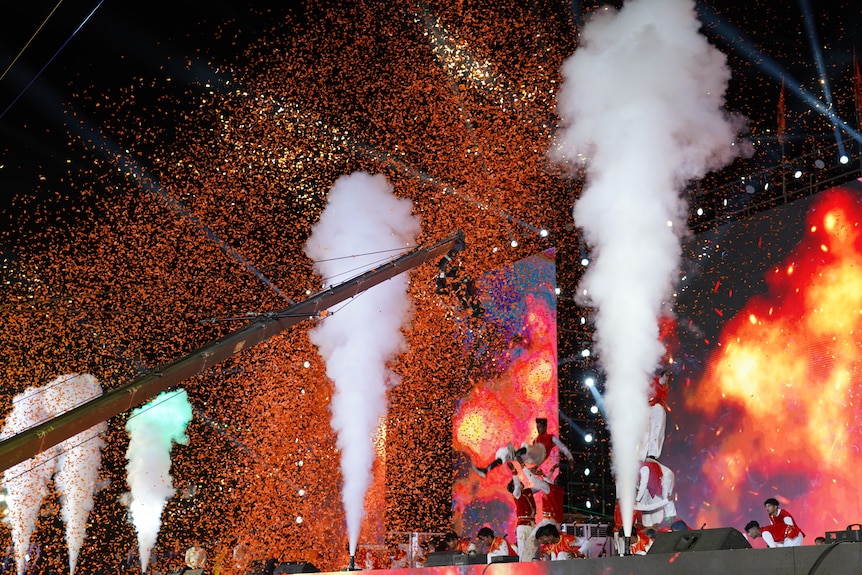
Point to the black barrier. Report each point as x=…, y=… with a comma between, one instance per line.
x=852, y=533
x=448, y=558
x=700, y=540
x=295, y=567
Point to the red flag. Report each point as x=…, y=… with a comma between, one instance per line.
x=857, y=83
x=781, y=120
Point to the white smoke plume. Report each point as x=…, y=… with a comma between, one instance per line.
x=27, y=482
x=153, y=429
x=79, y=460
x=362, y=216
x=642, y=105
x=76, y=461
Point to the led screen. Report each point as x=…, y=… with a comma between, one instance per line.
x=519, y=302
x=766, y=396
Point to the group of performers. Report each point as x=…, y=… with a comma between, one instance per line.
x=782, y=530
x=653, y=505
x=654, y=508
x=545, y=539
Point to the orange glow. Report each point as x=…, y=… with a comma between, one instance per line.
x=379, y=440
x=789, y=375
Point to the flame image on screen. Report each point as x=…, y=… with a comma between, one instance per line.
x=782, y=393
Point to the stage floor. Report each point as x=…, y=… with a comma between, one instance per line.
x=834, y=559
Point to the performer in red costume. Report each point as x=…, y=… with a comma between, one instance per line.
x=652, y=441
x=532, y=454
x=654, y=498
x=495, y=546
x=525, y=510
x=560, y=546
x=773, y=535
x=619, y=536
x=642, y=540
x=552, y=499
x=452, y=542
x=793, y=535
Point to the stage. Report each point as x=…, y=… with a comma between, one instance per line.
x=834, y=559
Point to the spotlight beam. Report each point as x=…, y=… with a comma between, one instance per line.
x=739, y=43
x=808, y=19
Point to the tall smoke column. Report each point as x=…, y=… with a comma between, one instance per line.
x=153, y=429
x=642, y=105
x=80, y=458
x=362, y=216
x=26, y=483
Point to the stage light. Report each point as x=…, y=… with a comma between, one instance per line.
x=588, y=437
x=306, y=364
x=669, y=224
x=585, y=262
x=589, y=505
x=594, y=409
x=301, y=492
x=797, y=174
x=700, y=211
x=514, y=243
x=444, y=262
x=587, y=471
x=589, y=382
x=819, y=164
x=583, y=320
x=749, y=189
x=585, y=353
x=543, y=233
x=299, y=519
x=843, y=159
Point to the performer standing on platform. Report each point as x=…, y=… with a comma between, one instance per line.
x=553, y=498
x=655, y=493
x=652, y=441
x=533, y=454
x=495, y=546
x=525, y=510
x=793, y=535
x=619, y=536
x=560, y=546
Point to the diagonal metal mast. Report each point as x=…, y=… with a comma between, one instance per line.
x=32, y=441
